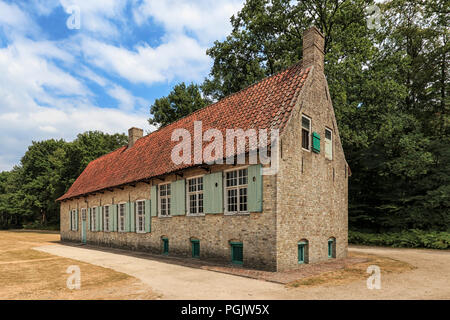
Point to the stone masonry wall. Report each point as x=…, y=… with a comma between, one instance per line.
x=312, y=190
x=256, y=230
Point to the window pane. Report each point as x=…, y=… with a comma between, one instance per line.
x=232, y=200
x=305, y=139
x=306, y=123
x=243, y=174
x=200, y=203
x=328, y=134
x=243, y=199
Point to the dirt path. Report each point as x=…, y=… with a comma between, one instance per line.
x=430, y=279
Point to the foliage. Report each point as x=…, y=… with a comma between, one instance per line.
x=47, y=170
x=408, y=238
x=180, y=102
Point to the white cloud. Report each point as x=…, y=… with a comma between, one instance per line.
x=181, y=57
x=45, y=85
x=209, y=20
x=127, y=101
x=14, y=20
x=97, y=15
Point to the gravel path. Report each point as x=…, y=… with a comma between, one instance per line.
x=431, y=279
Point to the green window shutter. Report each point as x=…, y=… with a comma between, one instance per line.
x=237, y=253
x=89, y=219
x=255, y=188
x=132, y=217
x=213, y=193
x=148, y=218
x=316, y=142
x=178, y=198
x=154, y=202
x=70, y=219
x=127, y=217
x=76, y=219
x=100, y=218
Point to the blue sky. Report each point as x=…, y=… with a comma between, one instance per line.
x=56, y=82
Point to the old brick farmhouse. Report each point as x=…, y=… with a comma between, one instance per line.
x=137, y=197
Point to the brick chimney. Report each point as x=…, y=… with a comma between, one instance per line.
x=313, y=48
x=133, y=135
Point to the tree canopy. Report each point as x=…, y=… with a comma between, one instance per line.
x=389, y=88
x=46, y=171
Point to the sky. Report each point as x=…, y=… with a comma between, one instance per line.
x=69, y=66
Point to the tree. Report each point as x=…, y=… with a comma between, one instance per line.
x=180, y=102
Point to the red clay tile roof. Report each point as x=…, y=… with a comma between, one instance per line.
x=264, y=105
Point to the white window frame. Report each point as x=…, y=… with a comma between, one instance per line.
x=73, y=218
x=168, y=201
x=93, y=219
x=119, y=218
x=331, y=143
x=225, y=193
x=309, y=132
x=197, y=192
x=106, y=221
x=137, y=216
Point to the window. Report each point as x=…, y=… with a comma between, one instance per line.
x=106, y=218
x=83, y=214
x=328, y=144
x=195, y=248
x=236, y=184
x=195, y=196
x=306, y=132
x=165, y=242
x=73, y=217
x=122, y=217
x=303, y=251
x=164, y=200
x=140, y=216
x=93, y=219
x=237, y=252
x=332, y=248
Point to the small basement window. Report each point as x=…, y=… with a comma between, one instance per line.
x=306, y=132
x=237, y=252
x=195, y=248
x=332, y=248
x=302, y=251
x=165, y=243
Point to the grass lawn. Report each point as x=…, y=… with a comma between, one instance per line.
x=29, y=274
